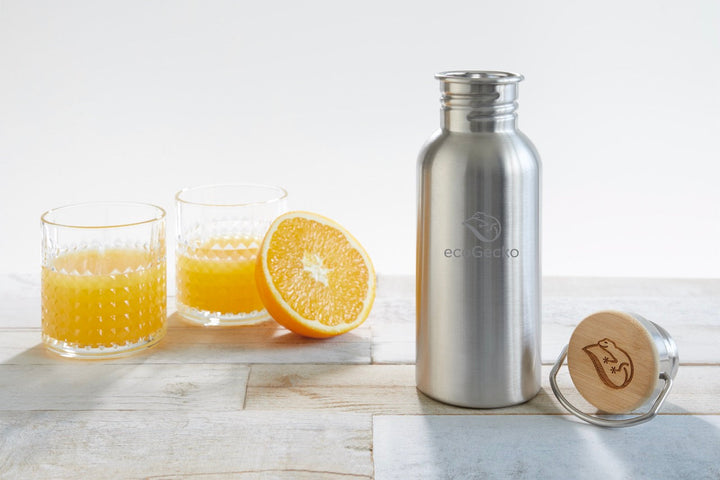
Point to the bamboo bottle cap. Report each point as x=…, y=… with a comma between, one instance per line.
x=613, y=361
x=618, y=361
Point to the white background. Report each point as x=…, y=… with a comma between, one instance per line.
x=135, y=99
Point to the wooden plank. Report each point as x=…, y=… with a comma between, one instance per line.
x=345, y=388
x=390, y=389
x=393, y=330
x=632, y=287
x=20, y=293
x=267, y=474
x=553, y=286
x=376, y=342
x=694, y=324
x=185, y=443
x=281, y=376
x=686, y=308
x=672, y=313
x=70, y=386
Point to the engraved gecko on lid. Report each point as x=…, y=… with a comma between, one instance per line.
x=612, y=364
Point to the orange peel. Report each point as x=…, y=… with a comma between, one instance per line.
x=314, y=278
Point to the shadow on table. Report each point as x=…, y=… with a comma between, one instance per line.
x=263, y=343
x=543, y=403
x=37, y=379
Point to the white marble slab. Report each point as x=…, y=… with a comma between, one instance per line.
x=544, y=447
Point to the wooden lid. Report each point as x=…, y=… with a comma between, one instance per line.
x=613, y=361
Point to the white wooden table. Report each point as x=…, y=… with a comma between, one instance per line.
x=260, y=402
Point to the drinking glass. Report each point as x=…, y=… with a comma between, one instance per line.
x=220, y=228
x=103, y=279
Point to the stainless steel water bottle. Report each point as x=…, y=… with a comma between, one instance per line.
x=478, y=248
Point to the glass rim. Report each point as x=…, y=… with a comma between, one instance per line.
x=280, y=190
x=161, y=214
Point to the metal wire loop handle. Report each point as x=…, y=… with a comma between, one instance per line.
x=604, y=422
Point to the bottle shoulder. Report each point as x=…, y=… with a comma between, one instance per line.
x=491, y=147
x=433, y=143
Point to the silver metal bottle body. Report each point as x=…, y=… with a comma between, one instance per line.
x=478, y=252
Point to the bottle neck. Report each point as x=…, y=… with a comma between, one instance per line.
x=466, y=121
x=478, y=101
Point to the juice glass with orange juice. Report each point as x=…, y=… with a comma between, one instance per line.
x=103, y=279
x=220, y=228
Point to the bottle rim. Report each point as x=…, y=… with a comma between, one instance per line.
x=479, y=76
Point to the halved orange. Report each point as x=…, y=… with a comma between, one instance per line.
x=313, y=277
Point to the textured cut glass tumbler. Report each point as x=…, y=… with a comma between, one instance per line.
x=220, y=228
x=103, y=279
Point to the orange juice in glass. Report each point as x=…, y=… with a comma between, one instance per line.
x=220, y=228
x=103, y=279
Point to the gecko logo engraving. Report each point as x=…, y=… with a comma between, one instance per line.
x=612, y=364
x=486, y=228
